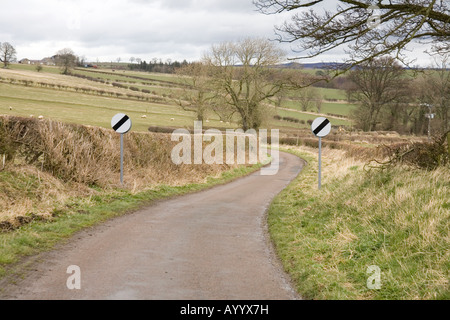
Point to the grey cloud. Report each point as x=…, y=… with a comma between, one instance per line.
x=201, y=5
x=174, y=29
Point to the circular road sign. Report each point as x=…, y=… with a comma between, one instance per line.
x=321, y=127
x=121, y=123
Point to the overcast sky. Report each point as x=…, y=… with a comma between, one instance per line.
x=146, y=29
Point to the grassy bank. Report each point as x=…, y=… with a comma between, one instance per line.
x=396, y=219
x=43, y=233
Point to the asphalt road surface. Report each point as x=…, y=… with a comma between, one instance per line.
x=210, y=245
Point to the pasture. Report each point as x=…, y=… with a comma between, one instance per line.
x=93, y=96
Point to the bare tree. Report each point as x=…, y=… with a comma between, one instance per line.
x=378, y=84
x=7, y=53
x=66, y=60
x=435, y=90
x=197, y=93
x=309, y=97
x=397, y=23
x=243, y=78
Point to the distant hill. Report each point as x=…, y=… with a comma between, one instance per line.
x=318, y=65
x=334, y=65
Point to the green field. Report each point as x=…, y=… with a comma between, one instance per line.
x=64, y=101
x=81, y=108
x=337, y=108
x=87, y=109
x=306, y=117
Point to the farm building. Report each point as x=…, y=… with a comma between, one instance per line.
x=45, y=61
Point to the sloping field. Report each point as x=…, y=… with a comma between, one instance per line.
x=72, y=99
x=89, y=96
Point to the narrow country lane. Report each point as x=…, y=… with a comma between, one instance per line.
x=207, y=245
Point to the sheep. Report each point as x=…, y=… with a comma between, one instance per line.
x=144, y=116
x=41, y=117
x=172, y=119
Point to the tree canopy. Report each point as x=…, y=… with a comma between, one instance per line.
x=242, y=77
x=66, y=60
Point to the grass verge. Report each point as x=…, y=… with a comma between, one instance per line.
x=80, y=213
x=397, y=220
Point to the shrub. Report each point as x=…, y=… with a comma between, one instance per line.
x=89, y=155
x=422, y=155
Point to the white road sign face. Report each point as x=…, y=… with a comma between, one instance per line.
x=121, y=123
x=321, y=127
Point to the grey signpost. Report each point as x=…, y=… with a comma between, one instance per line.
x=121, y=123
x=321, y=127
x=429, y=116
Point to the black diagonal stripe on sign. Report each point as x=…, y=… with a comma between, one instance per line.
x=323, y=125
x=120, y=123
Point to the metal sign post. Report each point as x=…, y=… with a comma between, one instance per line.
x=321, y=127
x=429, y=116
x=320, y=162
x=121, y=123
x=121, y=158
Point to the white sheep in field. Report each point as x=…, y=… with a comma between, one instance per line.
x=172, y=119
x=144, y=116
x=41, y=117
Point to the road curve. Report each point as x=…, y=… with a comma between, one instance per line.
x=210, y=245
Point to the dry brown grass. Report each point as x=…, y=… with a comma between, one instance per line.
x=91, y=155
x=360, y=145
x=336, y=163
x=48, y=162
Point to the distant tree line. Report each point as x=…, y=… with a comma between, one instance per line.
x=158, y=66
x=389, y=97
